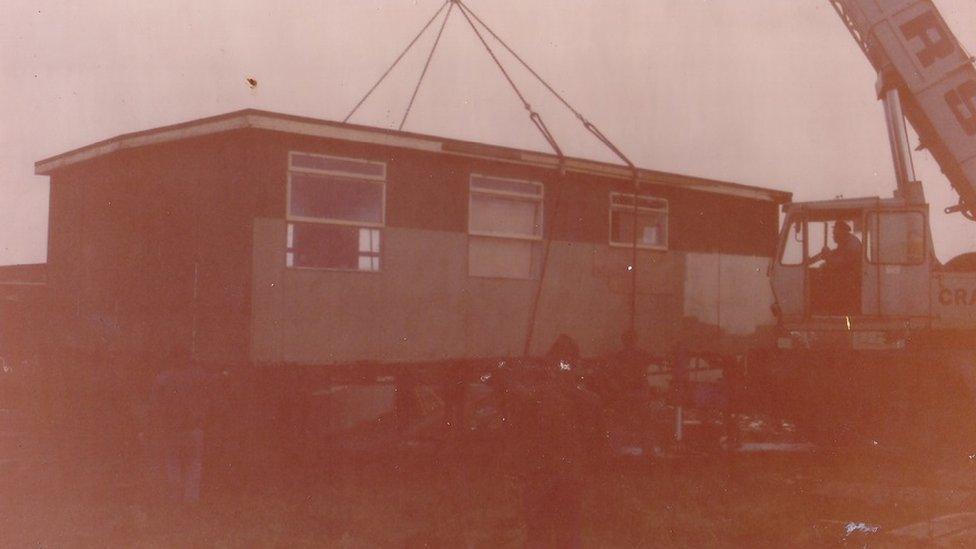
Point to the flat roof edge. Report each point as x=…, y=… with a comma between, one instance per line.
x=267, y=120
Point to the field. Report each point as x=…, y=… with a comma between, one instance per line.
x=94, y=481
x=445, y=499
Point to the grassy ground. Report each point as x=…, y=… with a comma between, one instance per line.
x=425, y=501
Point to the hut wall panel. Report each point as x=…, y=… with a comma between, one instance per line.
x=135, y=232
x=424, y=306
x=130, y=232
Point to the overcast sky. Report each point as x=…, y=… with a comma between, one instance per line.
x=763, y=92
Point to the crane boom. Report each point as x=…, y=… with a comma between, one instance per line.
x=913, y=50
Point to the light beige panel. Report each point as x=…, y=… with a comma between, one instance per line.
x=728, y=291
x=423, y=305
x=410, y=310
x=500, y=257
x=746, y=294
x=587, y=295
x=495, y=315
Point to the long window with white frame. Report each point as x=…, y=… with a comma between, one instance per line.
x=504, y=219
x=651, y=223
x=336, y=212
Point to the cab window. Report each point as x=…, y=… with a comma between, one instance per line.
x=896, y=238
x=808, y=237
x=793, y=246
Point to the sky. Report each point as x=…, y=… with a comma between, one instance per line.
x=772, y=93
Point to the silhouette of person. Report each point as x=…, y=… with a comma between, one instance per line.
x=842, y=270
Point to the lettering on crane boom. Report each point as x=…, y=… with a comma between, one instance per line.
x=936, y=44
x=957, y=296
x=961, y=99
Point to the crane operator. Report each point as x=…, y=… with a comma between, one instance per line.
x=842, y=269
x=846, y=257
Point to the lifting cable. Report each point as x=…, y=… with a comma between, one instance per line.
x=426, y=65
x=539, y=124
x=544, y=130
x=396, y=61
x=533, y=115
x=583, y=120
x=589, y=126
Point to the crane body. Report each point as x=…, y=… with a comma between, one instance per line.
x=924, y=75
x=893, y=308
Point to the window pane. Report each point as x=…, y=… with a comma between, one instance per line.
x=642, y=201
x=374, y=241
x=652, y=228
x=364, y=240
x=315, y=162
x=793, y=247
x=332, y=247
x=328, y=197
x=897, y=238
x=498, y=215
x=818, y=235
x=505, y=185
x=369, y=263
x=369, y=241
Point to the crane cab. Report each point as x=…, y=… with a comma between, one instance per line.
x=861, y=261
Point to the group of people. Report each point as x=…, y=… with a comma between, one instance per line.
x=568, y=408
x=566, y=405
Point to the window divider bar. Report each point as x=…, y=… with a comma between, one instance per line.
x=510, y=236
x=508, y=194
x=329, y=221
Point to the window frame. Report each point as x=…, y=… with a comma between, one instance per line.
x=611, y=207
x=366, y=179
x=877, y=235
x=804, y=243
x=540, y=198
x=806, y=220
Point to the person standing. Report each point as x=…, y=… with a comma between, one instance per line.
x=555, y=441
x=179, y=404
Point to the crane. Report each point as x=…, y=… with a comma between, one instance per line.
x=889, y=309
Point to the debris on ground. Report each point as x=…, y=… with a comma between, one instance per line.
x=859, y=528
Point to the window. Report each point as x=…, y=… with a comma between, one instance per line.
x=896, y=238
x=504, y=218
x=793, y=245
x=336, y=209
x=651, y=225
x=807, y=238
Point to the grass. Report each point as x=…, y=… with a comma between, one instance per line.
x=435, y=499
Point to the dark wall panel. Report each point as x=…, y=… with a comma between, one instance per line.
x=136, y=234
x=430, y=191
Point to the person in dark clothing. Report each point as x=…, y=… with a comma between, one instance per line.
x=180, y=403
x=627, y=399
x=841, y=270
x=554, y=440
x=847, y=255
